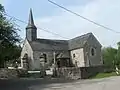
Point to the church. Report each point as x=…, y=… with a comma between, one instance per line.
x=81, y=51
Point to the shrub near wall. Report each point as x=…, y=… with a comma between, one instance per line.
x=13, y=73
x=8, y=73
x=21, y=73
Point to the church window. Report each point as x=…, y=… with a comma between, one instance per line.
x=73, y=55
x=45, y=57
x=92, y=51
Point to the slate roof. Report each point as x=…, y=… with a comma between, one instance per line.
x=31, y=21
x=48, y=44
x=79, y=41
x=65, y=45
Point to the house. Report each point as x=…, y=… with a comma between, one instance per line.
x=81, y=51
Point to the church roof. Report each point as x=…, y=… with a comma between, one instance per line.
x=78, y=41
x=64, y=45
x=48, y=44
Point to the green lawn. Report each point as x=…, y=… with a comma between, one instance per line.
x=103, y=75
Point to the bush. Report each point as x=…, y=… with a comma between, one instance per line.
x=8, y=73
x=104, y=75
x=22, y=73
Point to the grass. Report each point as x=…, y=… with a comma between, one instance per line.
x=104, y=75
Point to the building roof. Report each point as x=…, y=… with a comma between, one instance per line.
x=78, y=41
x=48, y=44
x=64, y=45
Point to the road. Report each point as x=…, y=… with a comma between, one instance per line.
x=26, y=84
x=112, y=83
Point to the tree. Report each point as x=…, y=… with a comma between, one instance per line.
x=109, y=56
x=118, y=55
x=9, y=37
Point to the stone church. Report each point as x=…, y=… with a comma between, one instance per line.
x=81, y=51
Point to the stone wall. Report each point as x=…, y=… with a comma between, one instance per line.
x=78, y=72
x=87, y=72
x=96, y=59
x=77, y=56
x=8, y=73
x=49, y=57
x=69, y=73
x=27, y=50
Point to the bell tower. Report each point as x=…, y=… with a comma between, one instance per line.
x=31, y=30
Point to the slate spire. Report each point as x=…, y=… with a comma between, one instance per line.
x=31, y=21
x=31, y=30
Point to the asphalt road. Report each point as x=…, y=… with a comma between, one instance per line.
x=112, y=83
x=26, y=84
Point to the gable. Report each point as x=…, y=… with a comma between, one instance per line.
x=93, y=41
x=26, y=48
x=78, y=42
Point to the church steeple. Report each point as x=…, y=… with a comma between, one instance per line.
x=31, y=21
x=31, y=30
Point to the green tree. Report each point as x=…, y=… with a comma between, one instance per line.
x=9, y=37
x=109, y=56
x=118, y=55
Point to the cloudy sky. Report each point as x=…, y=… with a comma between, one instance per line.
x=50, y=17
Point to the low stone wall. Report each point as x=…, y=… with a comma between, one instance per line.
x=69, y=73
x=87, y=72
x=8, y=73
x=78, y=72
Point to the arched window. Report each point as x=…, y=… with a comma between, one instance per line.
x=25, y=58
x=73, y=55
x=45, y=57
x=92, y=51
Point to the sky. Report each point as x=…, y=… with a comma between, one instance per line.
x=53, y=18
